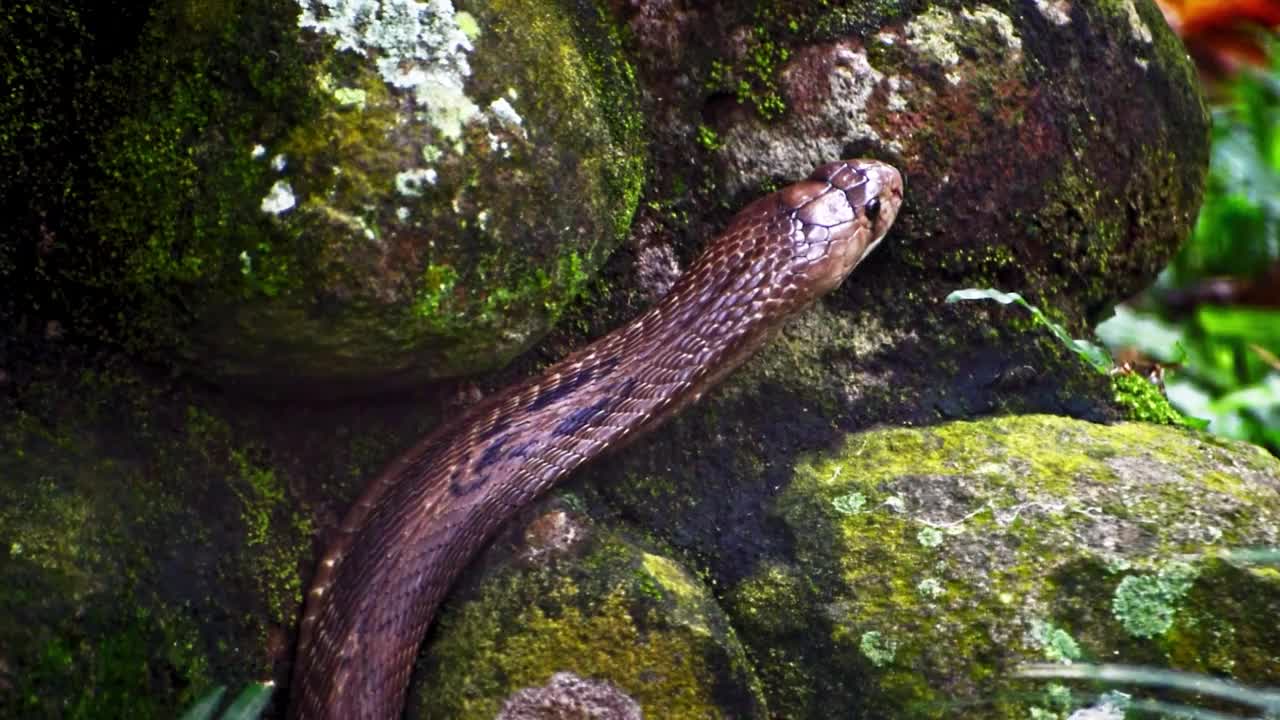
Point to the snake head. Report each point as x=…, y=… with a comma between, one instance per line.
x=840, y=214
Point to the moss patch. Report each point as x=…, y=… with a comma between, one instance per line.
x=620, y=614
x=1034, y=538
x=147, y=550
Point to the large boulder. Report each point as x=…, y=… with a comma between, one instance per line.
x=360, y=192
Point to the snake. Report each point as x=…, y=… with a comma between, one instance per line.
x=416, y=526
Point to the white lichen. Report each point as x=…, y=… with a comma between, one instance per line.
x=279, y=162
x=1057, y=12
x=419, y=47
x=937, y=35
x=279, y=199
x=1002, y=23
x=930, y=34
x=413, y=182
x=505, y=113
x=931, y=588
x=258, y=151
x=1137, y=28
x=897, y=101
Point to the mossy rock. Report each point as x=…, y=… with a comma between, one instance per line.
x=327, y=192
x=911, y=572
x=567, y=596
x=1055, y=149
x=926, y=564
x=156, y=525
x=146, y=554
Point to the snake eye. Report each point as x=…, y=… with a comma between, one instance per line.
x=872, y=208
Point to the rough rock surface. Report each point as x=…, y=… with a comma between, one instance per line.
x=907, y=572
x=357, y=191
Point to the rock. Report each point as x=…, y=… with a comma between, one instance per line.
x=346, y=194
x=630, y=622
x=906, y=573
x=1059, y=148
x=568, y=696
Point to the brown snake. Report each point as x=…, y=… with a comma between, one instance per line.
x=419, y=523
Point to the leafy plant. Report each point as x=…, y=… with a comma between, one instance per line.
x=1215, y=311
x=248, y=705
x=1092, y=354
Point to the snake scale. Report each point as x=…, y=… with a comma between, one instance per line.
x=418, y=524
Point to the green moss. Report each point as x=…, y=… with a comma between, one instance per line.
x=276, y=535
x=708, y=139
x=1144, y=401
x=633, y=618
x=119, y=673
x=754, y=81
x=1001, y=529
x=350, y=232
x=146, y=549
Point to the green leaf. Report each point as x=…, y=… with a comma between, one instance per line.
x=1097, y=357
x=1258, y=325
x=206, y=706
x=251, y=702
x=1258, y=396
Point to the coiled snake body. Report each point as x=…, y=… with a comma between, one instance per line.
x=418, y=524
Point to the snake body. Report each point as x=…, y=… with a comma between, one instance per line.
x=419, y=523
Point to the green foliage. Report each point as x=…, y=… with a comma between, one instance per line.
x=1090, y=353
x=1227, y=369
x=248, y=705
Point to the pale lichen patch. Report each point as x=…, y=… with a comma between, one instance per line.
x=413, y=182
x=1137, y=27
x=931, y=34
x=1057, y=12
x=1001, y=22
x=938, y=35
x=279, y=199
x=351, y=97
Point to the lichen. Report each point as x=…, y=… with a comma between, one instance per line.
x=1145, y=604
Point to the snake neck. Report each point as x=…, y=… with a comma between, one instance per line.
x=417, y=525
